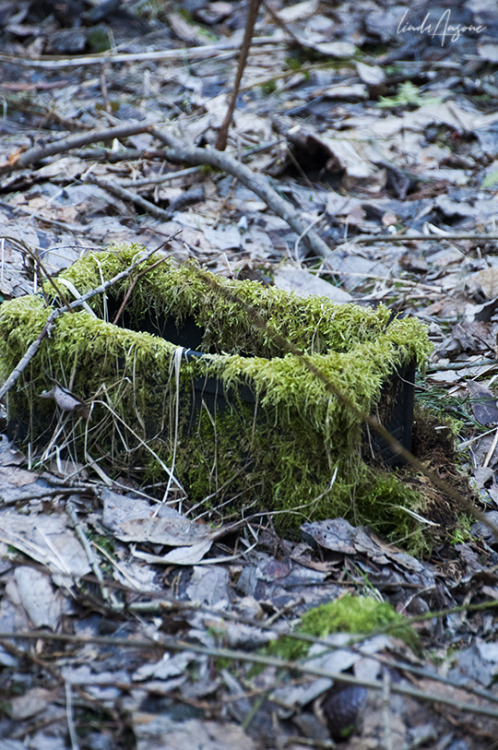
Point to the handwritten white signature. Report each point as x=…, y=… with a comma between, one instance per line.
x=443, y=28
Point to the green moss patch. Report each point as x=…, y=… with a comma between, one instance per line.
x=349, y=614
x=291, y=447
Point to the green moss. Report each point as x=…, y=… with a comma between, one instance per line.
x=269, y=87
x=462, y=532
x=408, y=94
x=98, y=39
x=186, y=15
x=292, y=447
x=349, y=614
x=490, y=181
x=294, y=62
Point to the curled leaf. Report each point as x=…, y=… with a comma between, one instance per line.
x=66, y=401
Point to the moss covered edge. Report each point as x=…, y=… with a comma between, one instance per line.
x=293, y=449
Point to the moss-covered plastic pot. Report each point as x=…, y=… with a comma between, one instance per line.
x=187, y=381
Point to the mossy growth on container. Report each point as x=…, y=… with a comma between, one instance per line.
x=349, y=614
x=268, y=436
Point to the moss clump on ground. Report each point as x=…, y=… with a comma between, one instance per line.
x=349, y=614
x=291, y=447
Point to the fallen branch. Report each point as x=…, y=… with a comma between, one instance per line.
x=370, y=239
x=167, y=643
x=178, y=151
x=35, y=154
x=183, y=53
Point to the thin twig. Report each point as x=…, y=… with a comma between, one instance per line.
x=462, y=365
x=70, y=718
x=37, y=261
x=310, y=226
x=139, y=275
x=106, y=595
x=252, y=15
x=131, y=196
x=369, y=239
x=170, y=176
x=160, y=179
x=123, y=154
x=40, y=492
x=386, y=710
x=103, y=88
x=29, y=655
x=375, y=277
x=276, y=19
x=491, y=450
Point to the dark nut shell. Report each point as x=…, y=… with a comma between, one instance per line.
x=340, y=707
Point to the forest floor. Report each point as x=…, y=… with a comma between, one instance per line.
x=369, y=135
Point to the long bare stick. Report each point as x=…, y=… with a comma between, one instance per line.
x=30, y=353
x=167, y=643
x=370, y=239
x=231, y=48
x=178, y=151
x=33, y=155
x=252, y=14
x=33, y=348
